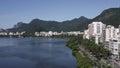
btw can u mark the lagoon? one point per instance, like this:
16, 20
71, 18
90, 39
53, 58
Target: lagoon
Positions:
35, 53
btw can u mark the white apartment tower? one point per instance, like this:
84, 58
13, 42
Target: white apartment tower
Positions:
96, 30
111, 33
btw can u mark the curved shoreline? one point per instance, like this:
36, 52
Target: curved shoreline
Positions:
82, 61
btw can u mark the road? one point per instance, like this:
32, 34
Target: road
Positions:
112, 62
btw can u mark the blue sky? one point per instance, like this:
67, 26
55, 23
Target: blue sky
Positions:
13, 11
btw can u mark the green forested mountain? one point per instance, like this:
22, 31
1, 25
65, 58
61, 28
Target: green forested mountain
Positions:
109, 16
77, 24
41, 25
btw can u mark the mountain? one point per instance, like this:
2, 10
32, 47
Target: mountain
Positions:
3, 30
77, 24
20, 26
41, 25
109, 16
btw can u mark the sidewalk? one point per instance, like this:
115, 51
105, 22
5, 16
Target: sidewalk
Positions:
81, 54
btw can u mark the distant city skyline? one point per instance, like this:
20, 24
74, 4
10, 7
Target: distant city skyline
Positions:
13, 11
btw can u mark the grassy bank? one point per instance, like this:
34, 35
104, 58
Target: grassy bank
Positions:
82, 61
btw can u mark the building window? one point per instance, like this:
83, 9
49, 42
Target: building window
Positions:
98, 28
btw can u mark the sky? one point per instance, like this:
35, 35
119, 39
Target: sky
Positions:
14, 11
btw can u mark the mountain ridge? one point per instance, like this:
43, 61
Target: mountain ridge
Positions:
109, 16
37, 24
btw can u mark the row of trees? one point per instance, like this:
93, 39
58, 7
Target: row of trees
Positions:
95, 49
99, 52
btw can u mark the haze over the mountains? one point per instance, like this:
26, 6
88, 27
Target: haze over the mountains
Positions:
109, 16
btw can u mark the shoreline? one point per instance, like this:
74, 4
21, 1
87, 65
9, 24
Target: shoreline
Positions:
82, 61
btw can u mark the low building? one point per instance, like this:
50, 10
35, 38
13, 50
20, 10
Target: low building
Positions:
51, 33
86, 34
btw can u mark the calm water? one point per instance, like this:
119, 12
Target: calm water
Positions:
35, 53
